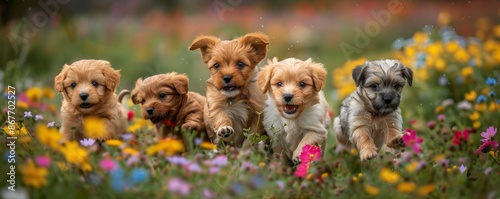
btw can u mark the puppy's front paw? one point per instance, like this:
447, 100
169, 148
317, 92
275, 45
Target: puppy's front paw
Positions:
225, 132
368, 153
396, 142
296, 154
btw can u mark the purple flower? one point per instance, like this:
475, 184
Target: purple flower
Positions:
447, 102
193, 167
464, 105
238, 189
132, 159
208, 194
339, 148
281, 185
178, 160
178, 186
247, 165
220, 161
127, 136
462, 168
27, 114
214, 170
39, 117
197, 141
51, 124
490, 132
487, 171
87, 142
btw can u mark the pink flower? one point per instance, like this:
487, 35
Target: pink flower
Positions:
130, 115
107, 164
178, 186
411, 140
310, 153
302, 170
460, 137
487, 146
490, 132
441, 117
43, 161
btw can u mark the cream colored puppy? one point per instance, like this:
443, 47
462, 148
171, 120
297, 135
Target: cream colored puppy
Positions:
296, 112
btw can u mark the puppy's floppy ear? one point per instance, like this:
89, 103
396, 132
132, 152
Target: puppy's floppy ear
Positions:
258, 41
59, 79
181, 83
204, 43
112, 76
265, 74
135, 92
358, 74
318, 74
407, 74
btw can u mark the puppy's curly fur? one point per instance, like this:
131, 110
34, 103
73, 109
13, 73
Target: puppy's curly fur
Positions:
165, 99
296, 112
370, 117
233, 98
88, 88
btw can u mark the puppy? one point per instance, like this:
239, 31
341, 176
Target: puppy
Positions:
88, 88
166, 101
370, 116
296, 112
233, 97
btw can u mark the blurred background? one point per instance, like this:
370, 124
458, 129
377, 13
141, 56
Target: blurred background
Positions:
147, 37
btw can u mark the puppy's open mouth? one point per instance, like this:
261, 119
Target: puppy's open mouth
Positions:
85, 105
161, 118
229, 88
290, 109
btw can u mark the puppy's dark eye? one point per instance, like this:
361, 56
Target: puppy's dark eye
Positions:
162, 95
279, 84
73, 85
216, 65
397, 86
374, 87
143, 101
95, 84
240, 65
302, 84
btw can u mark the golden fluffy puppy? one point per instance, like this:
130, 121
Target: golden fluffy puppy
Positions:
88, 88
370, 116
296, 112
166, 100
233, 97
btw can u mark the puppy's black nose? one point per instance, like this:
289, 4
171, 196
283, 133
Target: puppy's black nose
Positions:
227, 78
387, 99
84, 96
287, 97
150, 110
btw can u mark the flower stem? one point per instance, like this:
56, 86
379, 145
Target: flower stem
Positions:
496, 161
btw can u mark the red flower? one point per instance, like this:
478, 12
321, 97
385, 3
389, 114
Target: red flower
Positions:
411, 140
310, 153
460, 137
130, 115
487, 146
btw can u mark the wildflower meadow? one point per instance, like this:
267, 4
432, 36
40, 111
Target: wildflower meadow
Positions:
450, 116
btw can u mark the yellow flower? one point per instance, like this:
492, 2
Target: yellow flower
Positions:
493, 107
324, 175
476, 124
435, 49
480, 107
439, 109
474, 49
420, 37
354, 151
412, 166
16, 132
439, 157
440, 64
354, 179
170, 146
444, 18
208, 145
94, 127
424, 190
422, 74
48, 93
138, 124
114, 142
453, 46
360, 175
130, 151
389, 176
471, 96
22, 105
406, 187
77, 155
474, 116
262, 164
48, 136
342, 80
466, 72
372, 190
309, 176
34, 94
34, 176
62, 166
491, 45
25, 139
